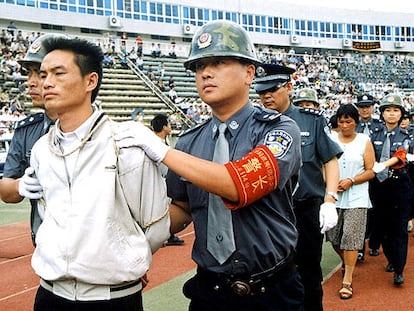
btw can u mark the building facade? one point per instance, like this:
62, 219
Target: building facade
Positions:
269, 23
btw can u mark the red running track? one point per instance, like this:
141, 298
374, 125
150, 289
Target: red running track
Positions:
373, 287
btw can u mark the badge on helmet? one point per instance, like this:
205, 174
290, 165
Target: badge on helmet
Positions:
391, 100
307, 95
221, 38
36, 51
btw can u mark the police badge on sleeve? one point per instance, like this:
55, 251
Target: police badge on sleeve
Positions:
279, 142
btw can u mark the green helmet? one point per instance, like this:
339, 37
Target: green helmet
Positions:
221, 38
36, 51
306, 95
392, 100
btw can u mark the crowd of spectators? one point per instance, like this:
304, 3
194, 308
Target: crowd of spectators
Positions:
337, 76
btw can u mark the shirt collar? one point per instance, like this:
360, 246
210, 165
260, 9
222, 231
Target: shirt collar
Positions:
235, 121
82, 130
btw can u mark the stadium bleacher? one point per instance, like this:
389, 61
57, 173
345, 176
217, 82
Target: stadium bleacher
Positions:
126, 89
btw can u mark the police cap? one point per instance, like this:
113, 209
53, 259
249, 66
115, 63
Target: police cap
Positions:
365, 100
406, 114
269, 76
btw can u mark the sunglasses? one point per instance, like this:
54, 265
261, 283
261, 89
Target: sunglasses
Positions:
273, 89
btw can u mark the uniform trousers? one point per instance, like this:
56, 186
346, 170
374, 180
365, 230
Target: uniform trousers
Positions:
47, 301
309, 251
392, 201
283, 295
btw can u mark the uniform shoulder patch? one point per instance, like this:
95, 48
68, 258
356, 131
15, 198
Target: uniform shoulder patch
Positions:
279, 142
266, 115
192, 129
29, 120
314, 112
404, 131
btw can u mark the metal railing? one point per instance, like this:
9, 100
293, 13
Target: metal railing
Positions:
156, 91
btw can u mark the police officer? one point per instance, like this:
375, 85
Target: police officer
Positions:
255, 270
367, 124
314, 200
406, 124
391, 191
26, 133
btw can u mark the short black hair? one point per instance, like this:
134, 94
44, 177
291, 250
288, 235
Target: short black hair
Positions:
333, 121
348, 110
88, 56
158, 122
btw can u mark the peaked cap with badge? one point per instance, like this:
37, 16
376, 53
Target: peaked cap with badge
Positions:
221, 38
270, 75
365, 100
306, 94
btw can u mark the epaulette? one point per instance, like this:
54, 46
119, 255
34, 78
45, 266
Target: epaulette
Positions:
266, 115
29, 120
404, 131
191, 129
315, 112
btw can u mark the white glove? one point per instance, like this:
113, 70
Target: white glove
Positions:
328, 217
410, 157
29, 185
135, 134
378, 167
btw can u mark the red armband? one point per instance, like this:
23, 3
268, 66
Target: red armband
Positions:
255, 175
400, 154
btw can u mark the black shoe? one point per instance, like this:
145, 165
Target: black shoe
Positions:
390, 268
173, 240
374, 252
361, 257
398, 279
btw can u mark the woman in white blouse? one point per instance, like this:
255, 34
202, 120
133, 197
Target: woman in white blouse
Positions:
355, 166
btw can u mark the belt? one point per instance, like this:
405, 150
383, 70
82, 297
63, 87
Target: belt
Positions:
76, 290
243, 285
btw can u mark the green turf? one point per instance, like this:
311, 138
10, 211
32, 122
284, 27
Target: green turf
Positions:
12, 213
168, 296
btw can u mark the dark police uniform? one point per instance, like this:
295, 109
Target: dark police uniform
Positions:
373, 126
392, 202
317, 148
26, 133
367, 127
264, 231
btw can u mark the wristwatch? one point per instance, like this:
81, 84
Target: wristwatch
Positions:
333, 194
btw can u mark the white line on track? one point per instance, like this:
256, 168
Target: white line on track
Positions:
19, 293
15, 259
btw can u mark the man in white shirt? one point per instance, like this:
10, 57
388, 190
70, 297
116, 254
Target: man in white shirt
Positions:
106, 209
